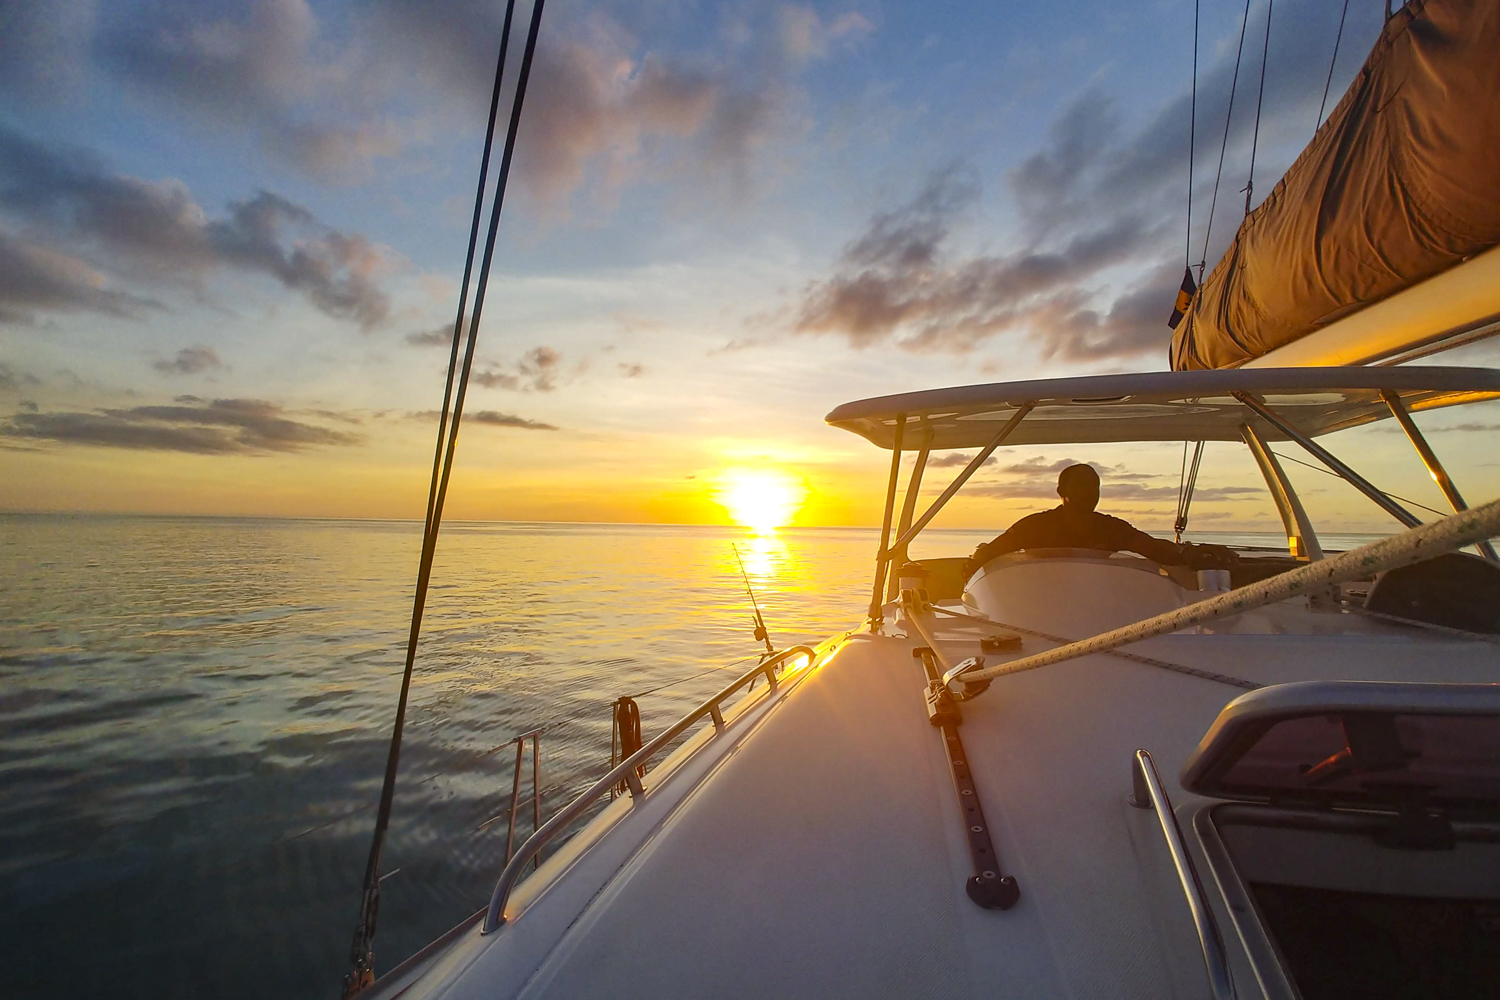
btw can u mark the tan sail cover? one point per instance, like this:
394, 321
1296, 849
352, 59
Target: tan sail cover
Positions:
1401, 183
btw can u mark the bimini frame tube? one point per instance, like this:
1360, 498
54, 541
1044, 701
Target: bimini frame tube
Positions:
908, 507
1430, 459
1322, 454
881, 557
963, 477
1301, 540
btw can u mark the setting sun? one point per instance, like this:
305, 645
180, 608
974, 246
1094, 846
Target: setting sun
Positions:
759, 500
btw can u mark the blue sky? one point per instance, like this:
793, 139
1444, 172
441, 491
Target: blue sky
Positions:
228, 226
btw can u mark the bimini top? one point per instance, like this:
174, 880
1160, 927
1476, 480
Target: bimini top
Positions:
1160, 406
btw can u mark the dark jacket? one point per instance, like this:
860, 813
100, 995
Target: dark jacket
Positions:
1060, 528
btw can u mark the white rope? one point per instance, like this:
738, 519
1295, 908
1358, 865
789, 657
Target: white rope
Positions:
1411, 546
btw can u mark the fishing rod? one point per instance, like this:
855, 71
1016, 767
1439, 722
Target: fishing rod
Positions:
761, 635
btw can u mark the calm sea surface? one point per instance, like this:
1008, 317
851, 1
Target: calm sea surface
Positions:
194, 714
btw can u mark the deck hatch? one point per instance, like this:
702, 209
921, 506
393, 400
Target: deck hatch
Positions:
1356, 744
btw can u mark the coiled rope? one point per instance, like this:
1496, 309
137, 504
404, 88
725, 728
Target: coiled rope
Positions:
362, 959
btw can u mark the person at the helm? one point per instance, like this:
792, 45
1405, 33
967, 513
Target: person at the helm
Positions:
1077, 525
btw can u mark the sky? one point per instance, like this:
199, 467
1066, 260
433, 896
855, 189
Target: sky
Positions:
232, 234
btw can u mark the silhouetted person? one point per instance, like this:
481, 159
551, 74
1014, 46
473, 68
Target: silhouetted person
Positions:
1076, 525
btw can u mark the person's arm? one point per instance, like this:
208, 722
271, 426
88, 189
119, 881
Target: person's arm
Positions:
1158, 550
1006, 542
1165, 553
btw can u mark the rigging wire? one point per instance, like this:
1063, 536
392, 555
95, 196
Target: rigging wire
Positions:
1186, 485
1329, 83
1224, 143
1259, 99
1187, 253
1326, 472
361, 972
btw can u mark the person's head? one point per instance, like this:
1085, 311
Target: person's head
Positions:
1078, 485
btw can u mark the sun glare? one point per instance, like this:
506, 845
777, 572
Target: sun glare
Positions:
761, 501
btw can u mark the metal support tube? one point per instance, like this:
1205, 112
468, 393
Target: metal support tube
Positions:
1430, 459
885, 527
1215, 962
1322, 454
515, 798
1301, 540
963, 477
908, 507
536, 792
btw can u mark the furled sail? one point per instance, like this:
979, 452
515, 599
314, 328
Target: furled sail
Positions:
1400, 184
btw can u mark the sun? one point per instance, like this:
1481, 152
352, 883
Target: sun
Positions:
758, 499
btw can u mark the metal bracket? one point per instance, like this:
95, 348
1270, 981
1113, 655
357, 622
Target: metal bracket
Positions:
987, 887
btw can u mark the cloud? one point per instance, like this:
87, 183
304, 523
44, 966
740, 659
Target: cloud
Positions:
955, 458
43, 47
441, 336
1099, 204
35, 279
537, 371
492, 418
259, 65
593, 109
1035, 478
897, 283
1111, 492
805, 36
220, 427
605, 109
190, 361
155, 230
632, 370
12, 380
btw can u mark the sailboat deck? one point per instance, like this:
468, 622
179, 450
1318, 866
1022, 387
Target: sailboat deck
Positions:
821, 854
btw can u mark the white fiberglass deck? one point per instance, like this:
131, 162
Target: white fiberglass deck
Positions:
815, 849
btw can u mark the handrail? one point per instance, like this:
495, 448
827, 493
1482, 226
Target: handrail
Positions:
626, 771
1147, 781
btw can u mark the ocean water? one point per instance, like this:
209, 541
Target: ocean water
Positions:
194, 715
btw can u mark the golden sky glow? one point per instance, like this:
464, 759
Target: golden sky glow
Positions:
681, 290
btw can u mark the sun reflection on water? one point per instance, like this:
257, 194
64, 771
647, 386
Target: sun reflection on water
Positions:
764, 555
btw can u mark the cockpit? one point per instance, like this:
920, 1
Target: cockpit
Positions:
1258, 407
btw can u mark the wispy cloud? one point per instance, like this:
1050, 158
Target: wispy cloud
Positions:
441, 336
491, 418
190, 361
12, 380
219, 427
537, 371
36, 280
